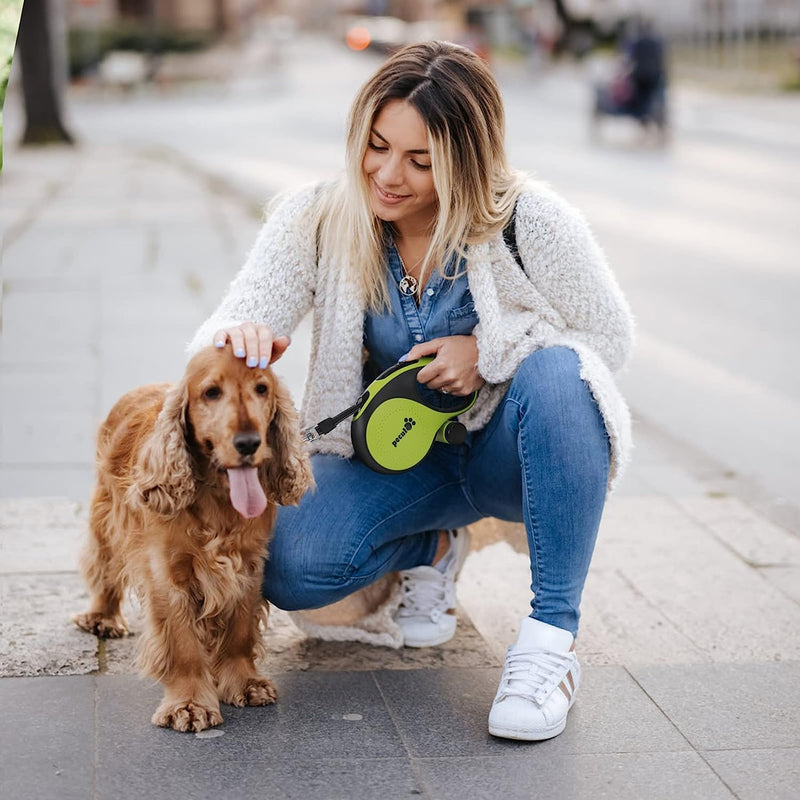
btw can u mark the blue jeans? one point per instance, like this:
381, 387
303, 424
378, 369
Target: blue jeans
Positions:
543, 459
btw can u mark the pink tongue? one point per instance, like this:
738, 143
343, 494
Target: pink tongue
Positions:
247, 496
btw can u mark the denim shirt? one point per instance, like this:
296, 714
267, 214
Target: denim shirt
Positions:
445, 308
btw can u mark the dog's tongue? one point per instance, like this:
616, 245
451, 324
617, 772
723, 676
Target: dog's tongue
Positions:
247, 496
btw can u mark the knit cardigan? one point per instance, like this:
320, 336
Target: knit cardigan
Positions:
566, 295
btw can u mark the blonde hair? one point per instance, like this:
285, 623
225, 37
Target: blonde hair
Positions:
459, 101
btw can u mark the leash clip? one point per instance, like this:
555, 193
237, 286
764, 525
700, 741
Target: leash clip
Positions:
310, 434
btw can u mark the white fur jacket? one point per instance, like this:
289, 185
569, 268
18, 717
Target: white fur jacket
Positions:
567, 295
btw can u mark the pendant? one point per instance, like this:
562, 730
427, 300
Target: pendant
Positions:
408, 285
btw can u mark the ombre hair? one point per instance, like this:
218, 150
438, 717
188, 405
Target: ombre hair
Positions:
459, 101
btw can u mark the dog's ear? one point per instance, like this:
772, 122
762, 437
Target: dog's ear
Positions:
287, 474
163, 481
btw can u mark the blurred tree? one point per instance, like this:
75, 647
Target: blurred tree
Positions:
43, 123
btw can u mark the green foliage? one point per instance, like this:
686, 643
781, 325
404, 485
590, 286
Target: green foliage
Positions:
10, 11
87, 47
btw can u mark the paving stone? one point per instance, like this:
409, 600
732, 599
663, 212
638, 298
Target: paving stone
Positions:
725, 706
47, 738
37, 636
32, 550
38, 324
317, 716
448, 715
71, 480
704, 590
758, 774
533, 771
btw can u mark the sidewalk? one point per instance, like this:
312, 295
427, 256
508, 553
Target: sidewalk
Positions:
111, 257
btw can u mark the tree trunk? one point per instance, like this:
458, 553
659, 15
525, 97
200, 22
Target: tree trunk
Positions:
43, 123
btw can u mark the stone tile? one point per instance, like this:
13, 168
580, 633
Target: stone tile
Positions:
524, 774
756, 774
73, 480
47, 738
755, 540
448, 715
37, 636
317, 716
42, 512
784, 578
46, 326
249, 776
53, 437
703, 589
726, 706
33, 550
620, 625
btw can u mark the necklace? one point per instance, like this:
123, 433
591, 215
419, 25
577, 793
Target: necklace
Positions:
408, 284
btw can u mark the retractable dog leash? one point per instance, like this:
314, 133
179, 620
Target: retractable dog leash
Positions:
393, 427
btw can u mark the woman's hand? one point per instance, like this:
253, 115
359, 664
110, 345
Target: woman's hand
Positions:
256, 343
454, 369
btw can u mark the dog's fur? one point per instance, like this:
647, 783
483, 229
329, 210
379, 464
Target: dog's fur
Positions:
162, 524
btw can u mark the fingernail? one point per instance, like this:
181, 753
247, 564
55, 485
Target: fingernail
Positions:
239, 352
219, 344
252, 361
403, 358
264, 363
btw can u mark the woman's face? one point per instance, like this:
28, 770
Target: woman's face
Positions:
397, 166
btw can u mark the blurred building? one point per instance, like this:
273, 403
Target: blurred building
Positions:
209, 16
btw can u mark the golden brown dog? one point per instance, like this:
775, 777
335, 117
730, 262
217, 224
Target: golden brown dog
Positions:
188, 481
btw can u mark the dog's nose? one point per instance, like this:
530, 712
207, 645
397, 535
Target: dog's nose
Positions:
246, 443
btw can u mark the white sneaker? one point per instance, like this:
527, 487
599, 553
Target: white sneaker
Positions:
427, 614
539, 684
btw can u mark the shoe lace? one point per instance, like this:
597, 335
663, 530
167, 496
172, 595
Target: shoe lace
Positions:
533, 673
430, 597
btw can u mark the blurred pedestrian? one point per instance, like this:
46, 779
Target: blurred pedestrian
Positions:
430, 245
646, 56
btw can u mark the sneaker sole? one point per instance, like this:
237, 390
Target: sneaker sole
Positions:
445, 637
528, 735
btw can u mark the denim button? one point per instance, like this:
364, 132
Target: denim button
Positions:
430, 292
417, 337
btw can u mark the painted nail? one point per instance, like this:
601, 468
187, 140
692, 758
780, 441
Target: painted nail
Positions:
264, 363
403, 358
252, 361
239, 352
219, 344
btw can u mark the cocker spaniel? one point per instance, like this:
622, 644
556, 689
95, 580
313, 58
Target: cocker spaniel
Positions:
187, 485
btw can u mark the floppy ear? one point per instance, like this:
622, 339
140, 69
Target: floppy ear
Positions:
163, 481
287, 474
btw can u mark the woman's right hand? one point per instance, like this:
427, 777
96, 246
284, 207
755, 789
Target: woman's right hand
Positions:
256, 343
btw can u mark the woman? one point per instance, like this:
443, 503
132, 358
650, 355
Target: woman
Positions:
408, 255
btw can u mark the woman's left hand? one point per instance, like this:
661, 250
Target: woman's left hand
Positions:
454, 369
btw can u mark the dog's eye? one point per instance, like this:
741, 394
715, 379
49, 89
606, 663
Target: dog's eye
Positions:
212, 393
261, 388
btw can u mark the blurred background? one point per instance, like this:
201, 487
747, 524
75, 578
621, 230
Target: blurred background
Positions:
143, 137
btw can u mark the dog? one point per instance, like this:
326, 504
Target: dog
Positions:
188, 480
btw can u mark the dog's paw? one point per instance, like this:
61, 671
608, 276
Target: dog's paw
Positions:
186, 716
255, 691
104, 627
260, 692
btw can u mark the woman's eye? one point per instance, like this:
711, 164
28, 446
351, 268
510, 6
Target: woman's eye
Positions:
423, 167
377, 148
212, 393
261, 388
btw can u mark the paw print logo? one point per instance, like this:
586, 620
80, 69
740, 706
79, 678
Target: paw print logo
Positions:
408, 423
